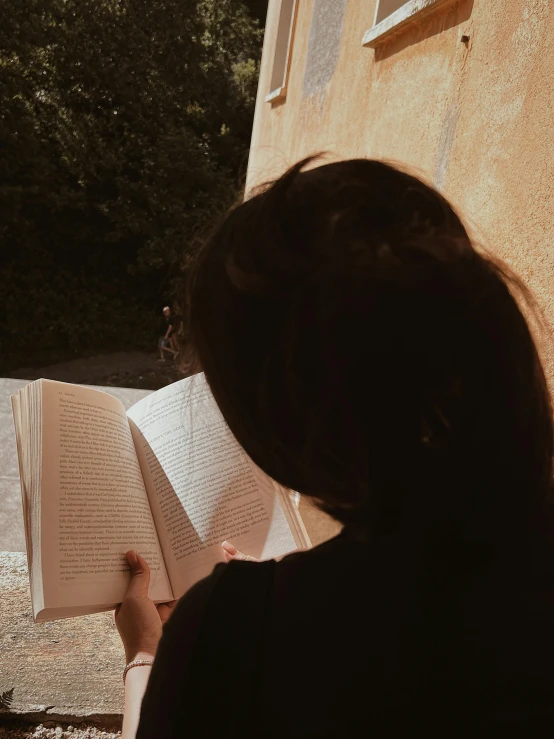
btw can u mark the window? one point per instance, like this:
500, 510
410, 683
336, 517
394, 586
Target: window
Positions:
283, 45
385, 8
392, 15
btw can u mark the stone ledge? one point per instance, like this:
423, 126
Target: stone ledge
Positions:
62, 670
409, 12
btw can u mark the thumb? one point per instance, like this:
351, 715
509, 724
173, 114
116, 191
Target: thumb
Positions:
140, 575
231, 552
230, 549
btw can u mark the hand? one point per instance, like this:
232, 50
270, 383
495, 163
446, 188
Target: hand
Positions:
230, 552
138, 620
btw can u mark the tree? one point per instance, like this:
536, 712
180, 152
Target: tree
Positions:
123, 128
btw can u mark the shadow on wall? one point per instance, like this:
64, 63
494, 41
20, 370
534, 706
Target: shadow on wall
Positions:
433, 24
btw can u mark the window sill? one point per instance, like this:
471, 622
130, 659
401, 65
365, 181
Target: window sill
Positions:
411, 11
279, 94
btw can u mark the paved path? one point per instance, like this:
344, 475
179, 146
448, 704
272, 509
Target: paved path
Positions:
91, 370
61, 670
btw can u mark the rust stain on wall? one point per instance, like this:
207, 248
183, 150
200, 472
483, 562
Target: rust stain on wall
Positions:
445, 145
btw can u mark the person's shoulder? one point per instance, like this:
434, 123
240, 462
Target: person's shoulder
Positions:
193, 604
339, 547
332, 566
240, 581
243, 581
228, 581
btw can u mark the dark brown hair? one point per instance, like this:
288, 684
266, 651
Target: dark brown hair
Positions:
365, 354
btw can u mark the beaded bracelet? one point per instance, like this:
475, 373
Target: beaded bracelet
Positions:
136, 663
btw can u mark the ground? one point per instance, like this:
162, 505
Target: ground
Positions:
119, 369
52, 730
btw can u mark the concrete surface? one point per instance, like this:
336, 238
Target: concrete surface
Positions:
475, 116
63, 669
11, 522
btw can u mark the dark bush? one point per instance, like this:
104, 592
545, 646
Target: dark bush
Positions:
124, 128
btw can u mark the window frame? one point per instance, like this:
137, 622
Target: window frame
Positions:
410, 11
279, 92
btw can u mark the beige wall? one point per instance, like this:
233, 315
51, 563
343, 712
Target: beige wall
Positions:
477, 119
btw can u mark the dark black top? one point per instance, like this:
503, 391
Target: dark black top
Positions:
354, 638
176, 322
165, 323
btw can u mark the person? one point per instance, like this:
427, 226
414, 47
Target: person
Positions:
177, 332
365, 354
168, 329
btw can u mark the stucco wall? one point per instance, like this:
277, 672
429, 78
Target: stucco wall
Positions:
475, 118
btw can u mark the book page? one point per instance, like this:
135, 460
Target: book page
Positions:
94, 503
28, 449
203, 487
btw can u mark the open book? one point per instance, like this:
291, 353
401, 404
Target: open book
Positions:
166, 478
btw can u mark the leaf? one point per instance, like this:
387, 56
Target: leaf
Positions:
6, 699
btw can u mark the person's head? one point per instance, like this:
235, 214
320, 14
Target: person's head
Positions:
365, 354
167, 311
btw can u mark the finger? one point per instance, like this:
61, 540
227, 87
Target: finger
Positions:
165, 610
140, 574
245, 557
170, 604
231, 552
229, 548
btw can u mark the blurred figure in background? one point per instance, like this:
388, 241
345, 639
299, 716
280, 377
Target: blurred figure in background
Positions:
165, 343
177, 331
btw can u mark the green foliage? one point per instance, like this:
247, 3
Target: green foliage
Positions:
124, 127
